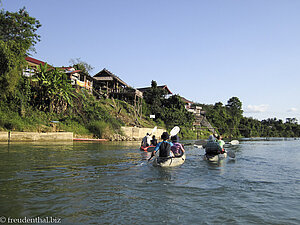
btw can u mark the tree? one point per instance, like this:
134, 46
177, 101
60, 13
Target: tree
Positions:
234, 108
292, 120
19, 27
17, 37
11, 61
175, 114
78, 64
154, 97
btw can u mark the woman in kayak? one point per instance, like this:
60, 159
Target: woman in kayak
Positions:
164, 147
221, 143
177, 148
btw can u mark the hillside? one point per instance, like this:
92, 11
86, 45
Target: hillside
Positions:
92, 119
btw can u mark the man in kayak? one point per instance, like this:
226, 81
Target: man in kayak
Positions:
164, 147
146, 140
212, 147
177, 148
153, 141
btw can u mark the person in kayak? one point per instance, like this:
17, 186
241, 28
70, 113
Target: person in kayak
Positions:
153, 141
212, 147
221, 143
177, 148
164, 147
146, 140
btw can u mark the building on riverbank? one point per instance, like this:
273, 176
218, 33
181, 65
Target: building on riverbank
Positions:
163, 87
109, 85
79, 79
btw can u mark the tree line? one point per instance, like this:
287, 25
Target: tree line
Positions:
229, 121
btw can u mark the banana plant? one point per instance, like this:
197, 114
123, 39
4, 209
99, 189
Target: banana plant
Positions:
53, 90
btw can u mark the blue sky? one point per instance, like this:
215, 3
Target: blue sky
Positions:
206, 51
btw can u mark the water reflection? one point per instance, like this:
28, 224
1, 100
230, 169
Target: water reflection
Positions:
146, 155
164, 174
113, 183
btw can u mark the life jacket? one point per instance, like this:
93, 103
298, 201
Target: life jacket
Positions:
154, 142
176, 149
213, 148
164, 149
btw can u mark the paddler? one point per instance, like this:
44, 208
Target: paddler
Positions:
177, 148
212, 147
164, 146
153, 141
221, 143
146, 140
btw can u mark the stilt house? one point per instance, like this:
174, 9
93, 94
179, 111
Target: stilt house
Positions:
109, 85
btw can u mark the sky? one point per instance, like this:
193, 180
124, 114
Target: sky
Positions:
204, 50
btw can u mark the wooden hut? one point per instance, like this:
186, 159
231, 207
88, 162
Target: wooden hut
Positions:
111, 86
164, 87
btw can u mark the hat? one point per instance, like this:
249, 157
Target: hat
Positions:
175, 138
211, 138
165, 136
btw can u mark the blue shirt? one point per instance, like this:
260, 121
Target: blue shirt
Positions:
157, 146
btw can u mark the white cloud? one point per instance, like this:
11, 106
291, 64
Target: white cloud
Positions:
256, 108
292, 110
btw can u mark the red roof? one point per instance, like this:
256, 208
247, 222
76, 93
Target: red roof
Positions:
33, 60
185, 100
166, 88
75, 71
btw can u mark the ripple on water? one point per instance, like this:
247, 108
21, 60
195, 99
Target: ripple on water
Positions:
88, 184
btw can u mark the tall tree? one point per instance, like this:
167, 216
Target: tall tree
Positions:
17, 38
19, 27
234, 108
154, 97
11, 61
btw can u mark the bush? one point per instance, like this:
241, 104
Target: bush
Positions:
188, 134
100, 129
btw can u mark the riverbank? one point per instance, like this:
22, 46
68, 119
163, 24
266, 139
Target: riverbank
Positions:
128, 134
13, 136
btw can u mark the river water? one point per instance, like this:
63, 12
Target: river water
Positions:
112, 183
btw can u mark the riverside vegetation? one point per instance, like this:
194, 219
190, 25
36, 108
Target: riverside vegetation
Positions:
33, 103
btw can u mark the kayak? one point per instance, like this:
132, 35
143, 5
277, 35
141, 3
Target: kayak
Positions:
215, 158
169, 161
148, 148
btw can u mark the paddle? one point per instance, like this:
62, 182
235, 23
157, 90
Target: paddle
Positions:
173, 132
231, 154
154, 129
203, 142
200, 143
234, 142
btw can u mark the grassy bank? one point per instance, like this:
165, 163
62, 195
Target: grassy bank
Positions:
87, 118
